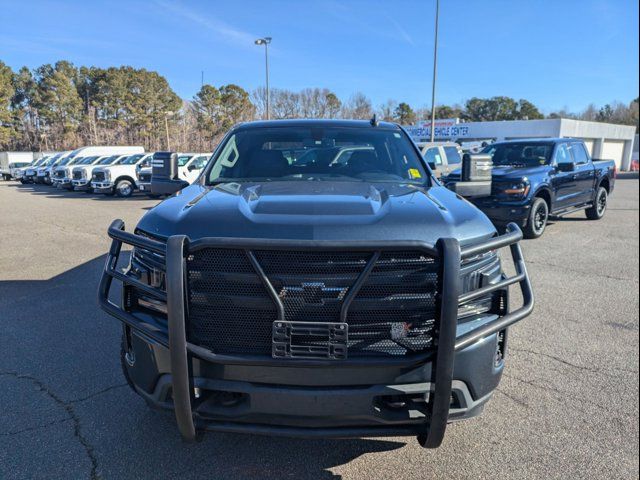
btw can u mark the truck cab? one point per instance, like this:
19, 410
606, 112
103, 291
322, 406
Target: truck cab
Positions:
535, 179
30, 172
119, 178
442, 157
283, 296
81, 175
61, 174
44, 172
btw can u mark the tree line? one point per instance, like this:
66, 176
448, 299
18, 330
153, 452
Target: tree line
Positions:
61, 106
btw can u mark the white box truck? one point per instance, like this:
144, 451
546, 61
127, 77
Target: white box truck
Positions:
9, 161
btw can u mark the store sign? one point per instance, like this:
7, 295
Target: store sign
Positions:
444, 128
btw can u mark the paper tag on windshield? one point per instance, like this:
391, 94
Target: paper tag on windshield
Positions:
414, 173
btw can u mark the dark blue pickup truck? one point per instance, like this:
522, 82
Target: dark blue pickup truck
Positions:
535, 179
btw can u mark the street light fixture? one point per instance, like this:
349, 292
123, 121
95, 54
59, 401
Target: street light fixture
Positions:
265, 41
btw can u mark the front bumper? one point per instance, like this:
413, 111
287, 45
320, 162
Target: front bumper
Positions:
503, 213
416, 395
81, 185
65, 183
100, 187
144, 186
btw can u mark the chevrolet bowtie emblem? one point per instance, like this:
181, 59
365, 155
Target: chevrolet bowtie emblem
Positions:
313, 293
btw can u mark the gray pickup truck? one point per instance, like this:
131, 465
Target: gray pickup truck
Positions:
292, 290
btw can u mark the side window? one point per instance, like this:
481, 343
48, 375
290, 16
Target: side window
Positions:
433, 156
199, 162
579, 154
453, 155
563, 154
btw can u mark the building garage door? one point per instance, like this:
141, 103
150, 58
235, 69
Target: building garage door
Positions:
613, 150
589, 144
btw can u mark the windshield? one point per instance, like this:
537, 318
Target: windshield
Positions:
318, 153
520, 154
51, 160
75, 161
87, 160
183, 159
108, 160
131, 160
64, 161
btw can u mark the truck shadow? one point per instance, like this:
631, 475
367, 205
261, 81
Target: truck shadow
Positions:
54, 332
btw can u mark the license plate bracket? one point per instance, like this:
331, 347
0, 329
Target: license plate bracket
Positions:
310, 340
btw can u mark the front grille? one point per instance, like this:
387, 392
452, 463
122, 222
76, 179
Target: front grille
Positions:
59, 174
98, 177
77, 175
231, 312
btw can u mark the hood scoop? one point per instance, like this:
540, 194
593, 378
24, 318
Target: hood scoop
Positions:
333, 200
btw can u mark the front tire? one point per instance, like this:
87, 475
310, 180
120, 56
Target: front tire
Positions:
600, 206
538, 218
124, 188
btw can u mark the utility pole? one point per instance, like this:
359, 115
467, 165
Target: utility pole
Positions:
435, 69
266, 41
166, 128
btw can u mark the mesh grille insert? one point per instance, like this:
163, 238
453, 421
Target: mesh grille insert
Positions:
230, 310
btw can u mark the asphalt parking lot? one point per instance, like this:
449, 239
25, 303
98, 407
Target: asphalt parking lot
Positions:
567, 406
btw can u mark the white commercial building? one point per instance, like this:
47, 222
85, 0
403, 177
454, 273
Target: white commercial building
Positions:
604, 140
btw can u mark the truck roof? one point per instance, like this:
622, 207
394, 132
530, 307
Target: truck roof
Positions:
326, 123
541, 140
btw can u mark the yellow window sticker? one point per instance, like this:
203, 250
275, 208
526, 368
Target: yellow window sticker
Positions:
414, 173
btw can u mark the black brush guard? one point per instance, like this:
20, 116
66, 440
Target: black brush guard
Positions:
447, 251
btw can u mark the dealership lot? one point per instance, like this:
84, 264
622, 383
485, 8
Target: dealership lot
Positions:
567, 406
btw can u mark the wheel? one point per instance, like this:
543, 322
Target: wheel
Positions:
24, 182
124, 188
6, 177
600, 206
537, 221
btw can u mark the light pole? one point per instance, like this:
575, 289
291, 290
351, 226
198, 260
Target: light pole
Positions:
265, 41
435, 69
166, 127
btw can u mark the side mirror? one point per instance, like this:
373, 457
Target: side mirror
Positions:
566, 167
191, 168
432, 165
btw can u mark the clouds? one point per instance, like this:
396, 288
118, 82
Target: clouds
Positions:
218, 28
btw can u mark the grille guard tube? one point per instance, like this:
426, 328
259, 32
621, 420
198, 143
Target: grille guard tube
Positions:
447, 250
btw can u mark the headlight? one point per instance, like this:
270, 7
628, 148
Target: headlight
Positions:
518, 188
476, 272
147, 267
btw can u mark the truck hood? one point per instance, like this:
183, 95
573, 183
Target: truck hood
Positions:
318, 211
116, 169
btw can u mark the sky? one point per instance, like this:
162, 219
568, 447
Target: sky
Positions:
557, 54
